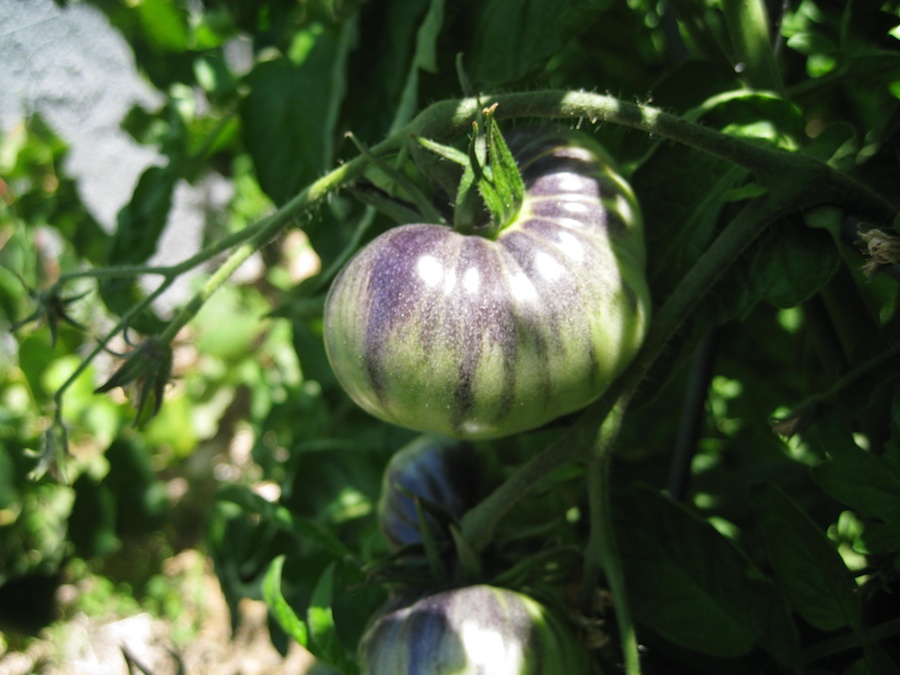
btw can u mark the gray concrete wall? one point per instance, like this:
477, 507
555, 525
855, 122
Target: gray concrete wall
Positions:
78, 72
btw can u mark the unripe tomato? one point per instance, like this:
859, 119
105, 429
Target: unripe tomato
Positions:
471, 631
442, 471
472, 337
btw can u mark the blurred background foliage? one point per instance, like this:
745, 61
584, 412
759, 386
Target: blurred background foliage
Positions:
257, 453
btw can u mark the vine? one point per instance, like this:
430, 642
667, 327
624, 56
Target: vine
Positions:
791, 183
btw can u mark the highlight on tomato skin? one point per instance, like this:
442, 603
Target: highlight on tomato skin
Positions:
479, 338
469, 630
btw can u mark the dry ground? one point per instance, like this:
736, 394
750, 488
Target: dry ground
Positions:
200, 636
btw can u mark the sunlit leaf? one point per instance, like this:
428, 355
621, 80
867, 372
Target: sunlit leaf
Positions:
855, 477
284, 614
326, 643
807, 566
290, 113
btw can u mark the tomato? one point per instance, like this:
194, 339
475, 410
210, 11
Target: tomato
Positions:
471, 630
473, 337
443, 472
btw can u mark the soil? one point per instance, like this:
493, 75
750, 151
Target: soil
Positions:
199, 641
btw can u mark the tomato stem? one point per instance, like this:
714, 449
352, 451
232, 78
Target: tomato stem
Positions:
775, 168
796, 181
478, 523
601, 554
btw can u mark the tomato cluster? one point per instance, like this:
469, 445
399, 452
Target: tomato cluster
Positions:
471, 335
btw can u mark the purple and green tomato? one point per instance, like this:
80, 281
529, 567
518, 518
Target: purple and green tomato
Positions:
468, 631
476, 338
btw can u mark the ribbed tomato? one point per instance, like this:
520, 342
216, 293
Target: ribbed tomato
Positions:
473, 337
442, 471
471, 631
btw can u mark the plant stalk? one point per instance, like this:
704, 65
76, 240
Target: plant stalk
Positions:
268, 229
601, 554
821, 183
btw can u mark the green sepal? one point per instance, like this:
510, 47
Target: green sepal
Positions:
491, 190
54, 451
447, 152
411, 190
432, 552
148, 368
52, 309
395, 209
469, 215
506, 187
469, 562
279, 607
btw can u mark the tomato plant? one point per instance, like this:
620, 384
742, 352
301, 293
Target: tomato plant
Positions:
678, 376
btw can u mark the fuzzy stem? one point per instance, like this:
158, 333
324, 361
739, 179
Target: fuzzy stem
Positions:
267, 229
601, 554
771, 165
478, 523
448, 117
813, 183
209, 252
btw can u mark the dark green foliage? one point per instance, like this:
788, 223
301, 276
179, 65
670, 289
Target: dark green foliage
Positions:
783, 552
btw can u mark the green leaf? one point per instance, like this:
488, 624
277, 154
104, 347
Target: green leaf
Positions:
141, 222
164, 25
693, 586
880, 538
836, 144
290, 115
140, 225
682, 194
808, 568
9, 493
425, 58
325, 643
753, 114
785, 268
512, 37
279, 516
284, 614
862, 481
748, 25
875, 65
876, 661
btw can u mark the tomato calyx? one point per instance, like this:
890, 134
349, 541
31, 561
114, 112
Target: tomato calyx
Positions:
491, 190
147, 369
